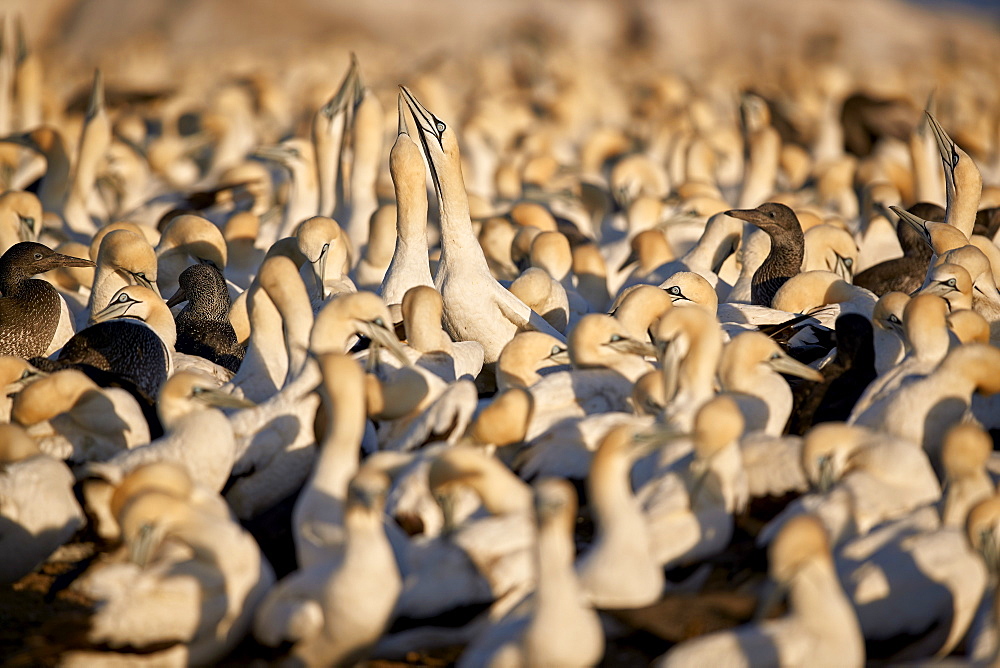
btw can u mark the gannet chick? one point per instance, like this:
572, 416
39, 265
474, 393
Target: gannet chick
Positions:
358, 599
30, 309
526, 356
689, 509
787, 248
619, 570
559, 629
863, 479
946, 391
70, 417
638, 307
830, 248
476, 307
821, 627
967, 449
203, 326
325, 246
188, 592
39, 510
409, 266
749, 370
187, 240
132, 338
422, 308
124, 258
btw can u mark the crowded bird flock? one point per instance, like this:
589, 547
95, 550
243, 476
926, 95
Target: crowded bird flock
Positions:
514, 363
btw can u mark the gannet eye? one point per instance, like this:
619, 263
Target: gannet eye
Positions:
141, 274
25, 374
848, 262
615, 337
122, 298
38, 256
954, 158
379, 322
775, 356
950, 282
326, 247
893, 319
771, 214
555, 350
440, 126
674, 290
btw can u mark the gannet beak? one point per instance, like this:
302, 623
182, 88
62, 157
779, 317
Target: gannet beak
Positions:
919, 224
60, 260
783, 363
631, 346
769, 600
385, 337
844, 268
319, 270
116, 309
27, 227
946, 146
447, 506
220, 399
146, 283
826, 475
632, 257
401, 119
338, 103
670, 362
940, 289
142, 548
96, 102
179, 296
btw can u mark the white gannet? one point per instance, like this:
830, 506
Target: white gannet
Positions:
38, 509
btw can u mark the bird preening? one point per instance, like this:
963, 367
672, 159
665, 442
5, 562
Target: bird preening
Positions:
595, 340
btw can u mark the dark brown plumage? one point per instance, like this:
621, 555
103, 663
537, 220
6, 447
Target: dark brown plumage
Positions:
903, 274
203, 326
29, 308
787, 248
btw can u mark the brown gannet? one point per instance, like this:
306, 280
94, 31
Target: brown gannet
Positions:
131, 339
30, 309
476, 307
203, 326
903, 274
787, 248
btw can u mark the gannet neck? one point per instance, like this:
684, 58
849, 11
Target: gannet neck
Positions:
344, 404
925, 327
279, 277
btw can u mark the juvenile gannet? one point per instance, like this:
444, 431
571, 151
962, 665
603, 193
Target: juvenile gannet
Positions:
903, 274
821, 627
476, 307
38, 509
749, 371
70, 417
559, 628
30, 309
132, 339
787, 248
203, 326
